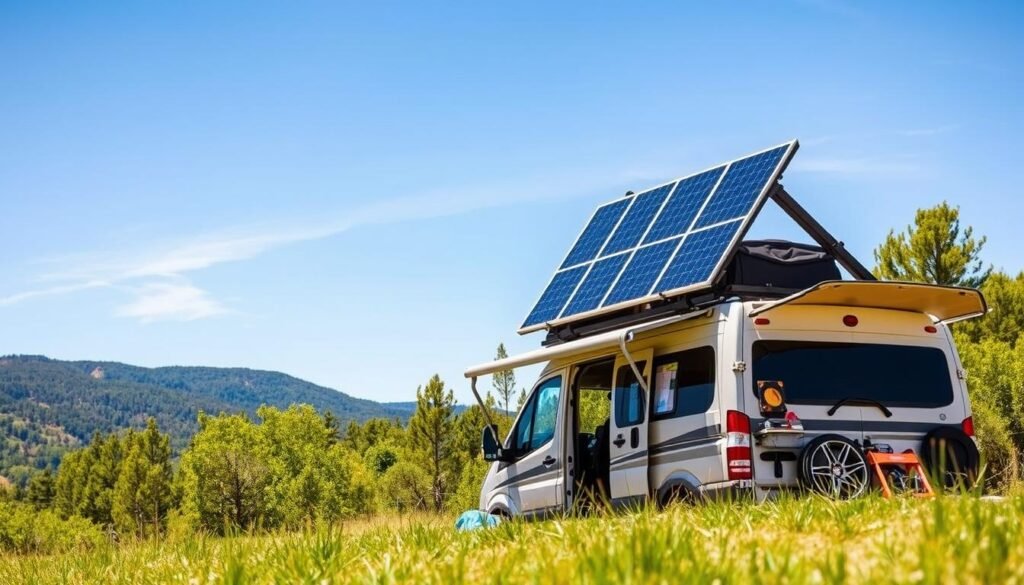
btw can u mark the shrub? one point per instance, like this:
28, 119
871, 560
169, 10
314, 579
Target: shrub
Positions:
23, 529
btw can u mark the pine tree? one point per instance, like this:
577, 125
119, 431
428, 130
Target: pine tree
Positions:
504, 381
142, 494
41, 490
70, 483
86, 478
333, 428
934, 250
431, 437
106, 466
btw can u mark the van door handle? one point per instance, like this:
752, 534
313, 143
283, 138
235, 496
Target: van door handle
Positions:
549, 461
619, 441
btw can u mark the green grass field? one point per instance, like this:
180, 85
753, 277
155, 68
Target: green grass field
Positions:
946, 540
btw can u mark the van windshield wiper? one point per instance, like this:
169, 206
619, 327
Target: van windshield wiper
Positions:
860, 402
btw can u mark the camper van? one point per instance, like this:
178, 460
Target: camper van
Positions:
746, 399
684, 363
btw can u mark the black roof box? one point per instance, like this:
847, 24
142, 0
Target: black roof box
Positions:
778, 267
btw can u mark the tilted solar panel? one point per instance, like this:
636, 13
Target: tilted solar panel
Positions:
665, 241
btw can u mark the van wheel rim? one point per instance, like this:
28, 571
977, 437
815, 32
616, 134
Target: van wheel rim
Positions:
838, 470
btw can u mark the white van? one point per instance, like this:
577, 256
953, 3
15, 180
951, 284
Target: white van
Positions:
744, 397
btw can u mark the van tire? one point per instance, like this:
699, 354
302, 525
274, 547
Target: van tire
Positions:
834, 466
677, 494
950, 456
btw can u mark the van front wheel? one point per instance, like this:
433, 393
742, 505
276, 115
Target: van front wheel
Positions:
834, 466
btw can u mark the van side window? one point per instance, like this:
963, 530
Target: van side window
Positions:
629, 397
536, 425
684, 383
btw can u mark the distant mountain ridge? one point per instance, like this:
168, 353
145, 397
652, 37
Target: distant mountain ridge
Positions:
48, 406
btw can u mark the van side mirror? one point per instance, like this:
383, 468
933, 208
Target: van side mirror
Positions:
491, 447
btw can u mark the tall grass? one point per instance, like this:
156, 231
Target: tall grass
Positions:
962, 539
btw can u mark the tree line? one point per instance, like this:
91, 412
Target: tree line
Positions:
284, 469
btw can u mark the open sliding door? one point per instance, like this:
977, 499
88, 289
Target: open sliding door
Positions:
628, 445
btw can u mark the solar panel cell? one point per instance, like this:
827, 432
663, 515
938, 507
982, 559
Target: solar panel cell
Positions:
596, 232
697, 257
642, 271
555, 296
740, 187
677, 215
595, 286
637, 220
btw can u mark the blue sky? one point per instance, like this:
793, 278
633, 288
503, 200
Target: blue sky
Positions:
365, 194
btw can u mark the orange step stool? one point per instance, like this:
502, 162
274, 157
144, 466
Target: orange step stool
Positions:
908, 461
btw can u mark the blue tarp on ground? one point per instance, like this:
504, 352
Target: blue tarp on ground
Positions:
475, 519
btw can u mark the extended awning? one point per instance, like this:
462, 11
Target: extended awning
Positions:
945, 304
587, 344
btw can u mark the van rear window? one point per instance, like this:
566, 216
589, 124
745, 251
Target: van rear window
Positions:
824, 373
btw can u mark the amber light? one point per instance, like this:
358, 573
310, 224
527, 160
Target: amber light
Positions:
850, 321
762, 321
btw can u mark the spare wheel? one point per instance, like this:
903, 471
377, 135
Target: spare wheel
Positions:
951, 456
834, 466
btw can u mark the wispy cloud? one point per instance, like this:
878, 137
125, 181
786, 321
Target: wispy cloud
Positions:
171, 301
157, 275
52, 291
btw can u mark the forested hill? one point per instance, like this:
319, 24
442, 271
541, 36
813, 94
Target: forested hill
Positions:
48, 406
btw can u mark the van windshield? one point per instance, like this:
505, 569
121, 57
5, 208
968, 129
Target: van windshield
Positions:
824, 373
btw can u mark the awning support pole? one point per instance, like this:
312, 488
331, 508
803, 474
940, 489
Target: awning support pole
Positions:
483, 407
624, 338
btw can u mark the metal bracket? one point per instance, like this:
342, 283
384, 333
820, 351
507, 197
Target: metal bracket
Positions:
625, 338
480, 401
819, 233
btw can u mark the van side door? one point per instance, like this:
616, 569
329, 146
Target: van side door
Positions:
535, 475
628, 445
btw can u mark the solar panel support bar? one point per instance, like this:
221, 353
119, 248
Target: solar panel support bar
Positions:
688, 304
814, 229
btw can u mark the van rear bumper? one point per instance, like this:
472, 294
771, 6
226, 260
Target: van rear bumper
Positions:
730, 491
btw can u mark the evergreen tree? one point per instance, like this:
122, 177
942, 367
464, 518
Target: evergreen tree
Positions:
41, 490
333, 428
376, 431
142, 494
86, 478
99, 485
504, 381
934, 250
431, 438
70, 483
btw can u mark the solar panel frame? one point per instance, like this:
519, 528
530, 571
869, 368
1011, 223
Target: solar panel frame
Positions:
745, 222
